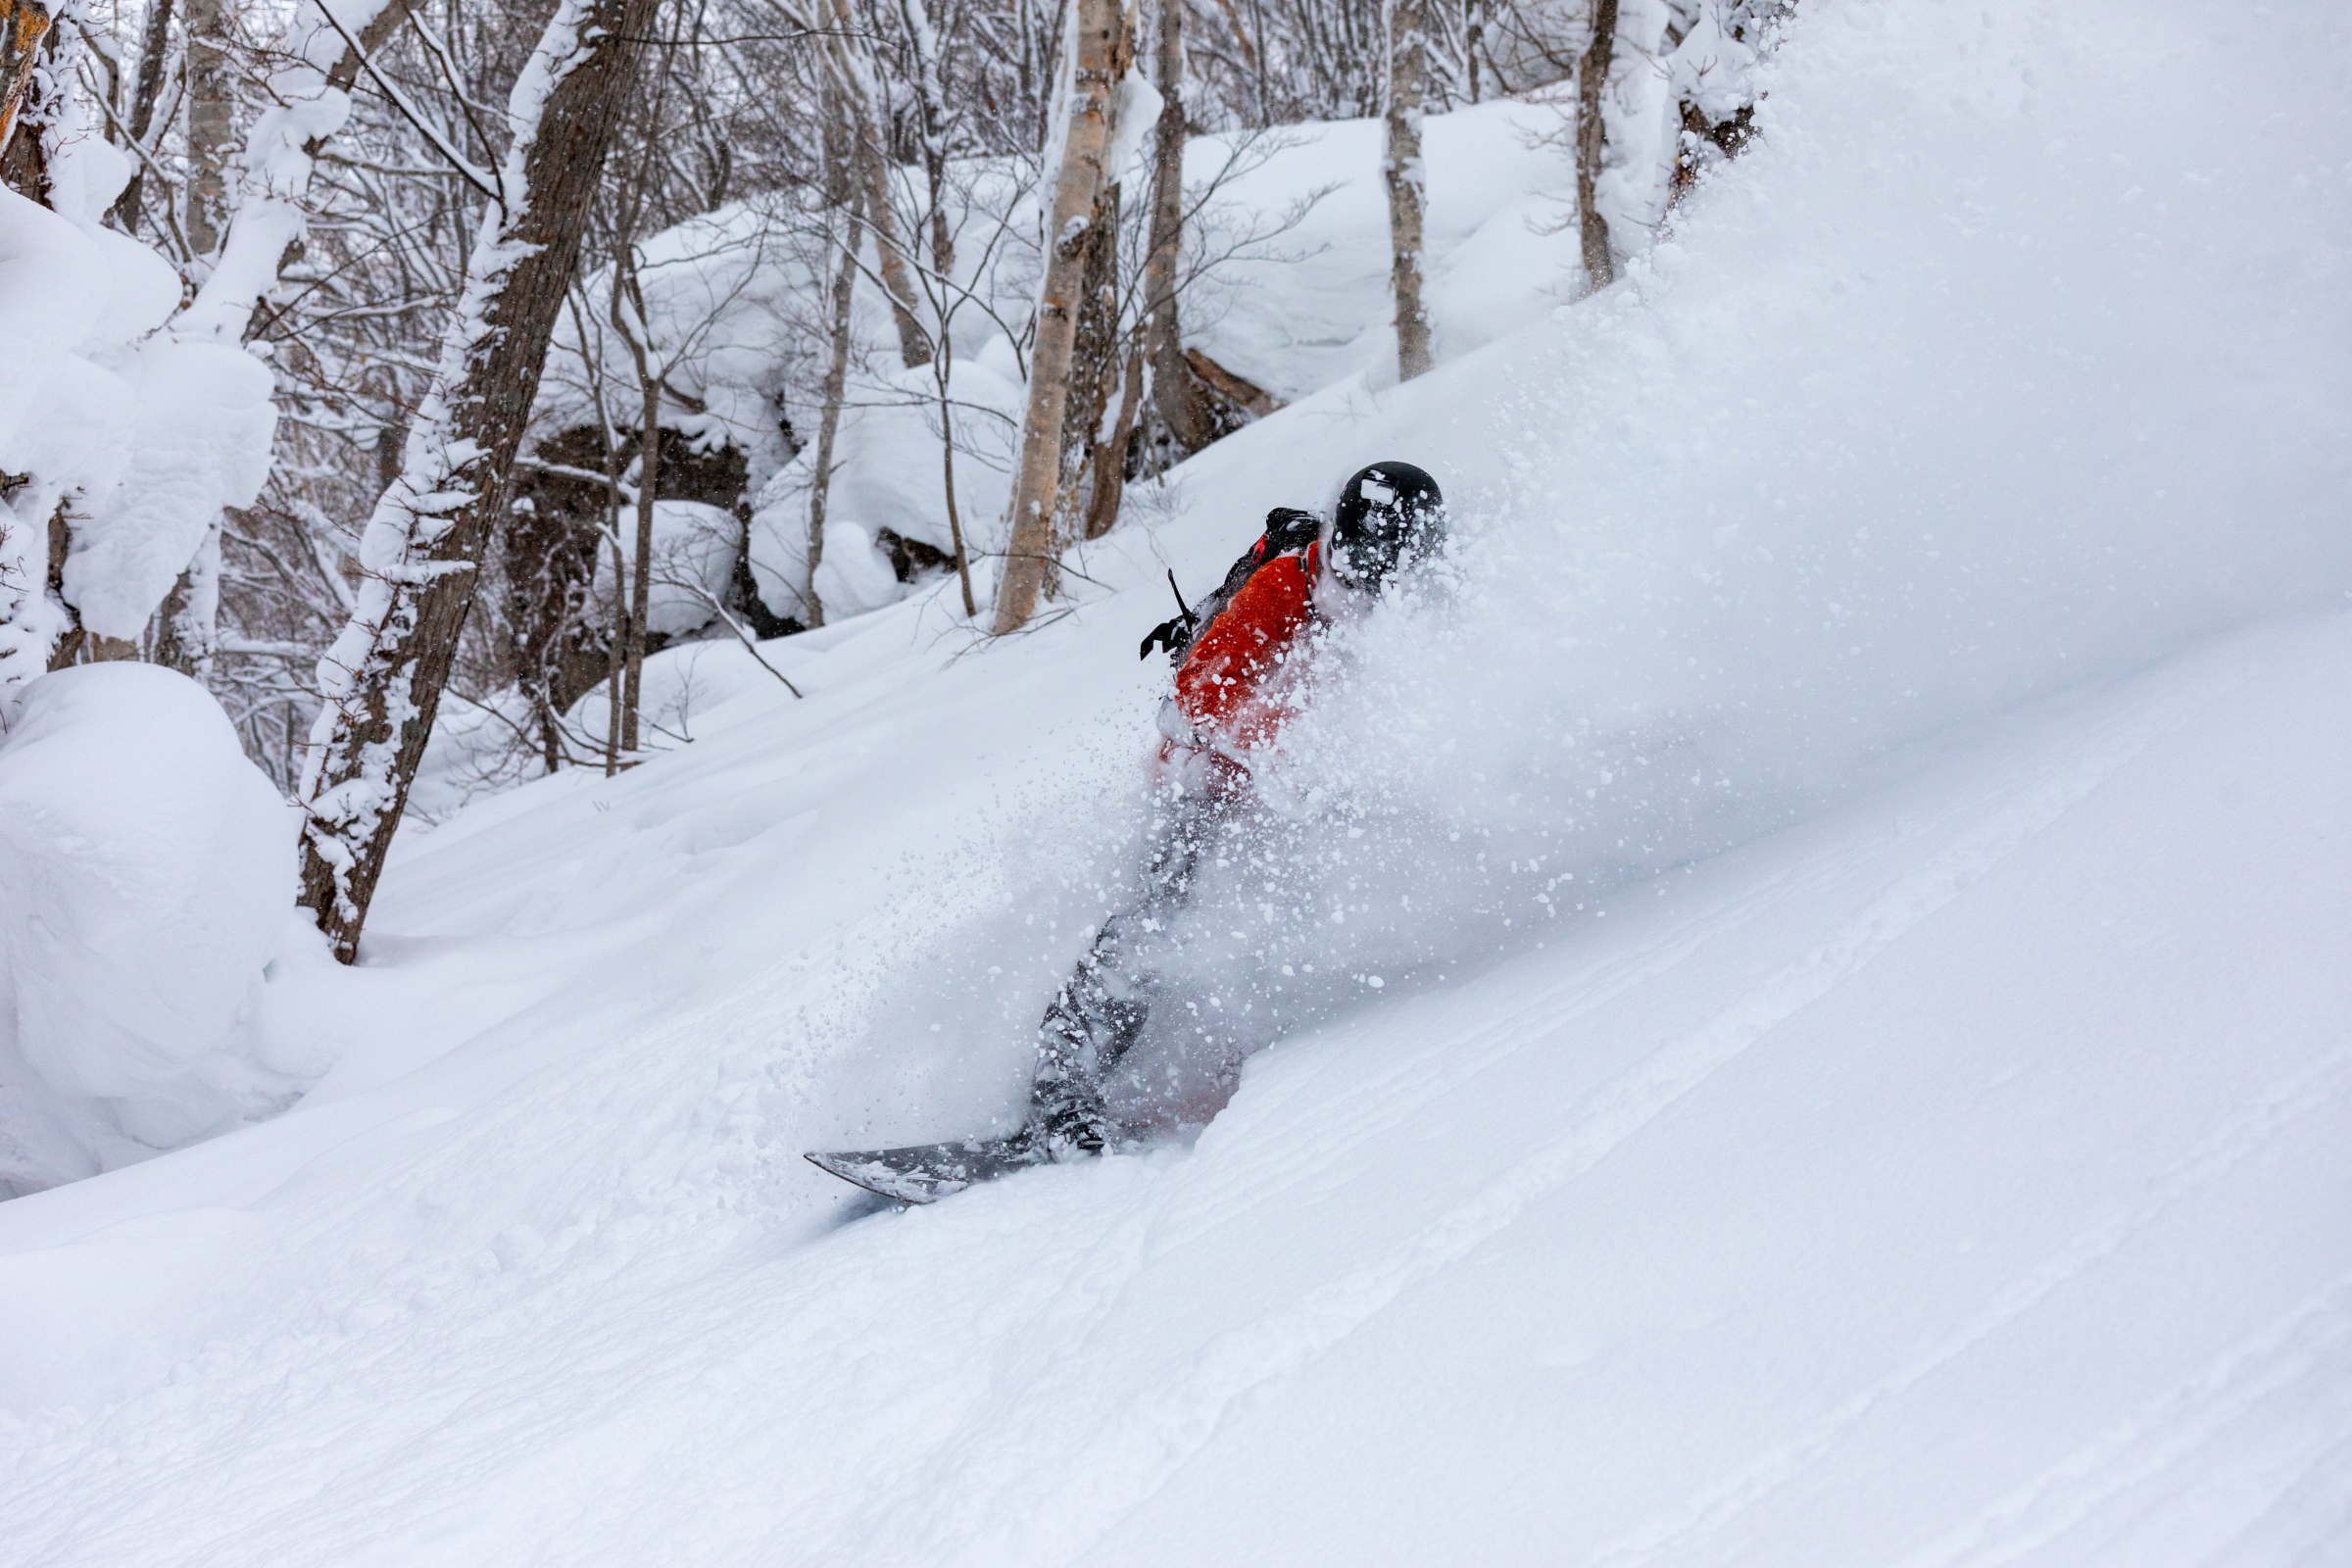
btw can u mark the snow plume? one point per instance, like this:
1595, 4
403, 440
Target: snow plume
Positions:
1968, 384
139, 905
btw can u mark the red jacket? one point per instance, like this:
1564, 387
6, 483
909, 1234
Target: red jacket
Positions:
1222, 706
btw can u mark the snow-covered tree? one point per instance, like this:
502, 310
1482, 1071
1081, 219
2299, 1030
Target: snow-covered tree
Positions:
1406, 179
1098, 62
421, 556
126, 431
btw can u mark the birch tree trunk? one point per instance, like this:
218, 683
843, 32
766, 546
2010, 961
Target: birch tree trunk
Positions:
208, 128
636, 336
930, 98
1592, 137
837, 380
1409, 192
861, 94
1094, 373
1175, 390
147, 89
383, 679
1037, 475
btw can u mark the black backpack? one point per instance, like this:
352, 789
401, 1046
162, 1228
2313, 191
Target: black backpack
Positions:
1288, 530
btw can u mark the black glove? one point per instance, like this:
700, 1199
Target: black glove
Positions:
1175, 634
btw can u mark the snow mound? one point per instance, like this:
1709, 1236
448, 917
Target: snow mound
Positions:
138, 904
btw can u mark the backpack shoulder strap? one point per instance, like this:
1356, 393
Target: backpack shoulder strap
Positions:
1288, 531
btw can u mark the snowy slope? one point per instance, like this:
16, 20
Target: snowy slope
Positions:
1915, 1135
1959, 1178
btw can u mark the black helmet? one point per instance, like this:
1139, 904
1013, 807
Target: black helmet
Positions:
1389, 515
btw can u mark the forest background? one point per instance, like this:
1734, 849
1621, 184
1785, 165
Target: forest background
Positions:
444, 362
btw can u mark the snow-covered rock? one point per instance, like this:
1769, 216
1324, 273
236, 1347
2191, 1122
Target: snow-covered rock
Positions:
888, 475
146, 876
855, 576
694, 553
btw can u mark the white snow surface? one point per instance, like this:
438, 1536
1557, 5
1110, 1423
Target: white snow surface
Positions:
1834, 1044
146, 877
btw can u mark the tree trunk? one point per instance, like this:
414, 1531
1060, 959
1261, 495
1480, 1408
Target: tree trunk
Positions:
1591, 136
1095, 361
270, 218
187, 626
549, 544
31, 617
383, 679
38, 629
837, 380
147, 89
618, 651
1110, 461
640, 588
68, 635
947, 480
1474, 39
930, 98
210, 129
1029, 557
851, 62
266, 232
636, 338
24, 28
1409, 186
376, 30
36, 59
1176, 395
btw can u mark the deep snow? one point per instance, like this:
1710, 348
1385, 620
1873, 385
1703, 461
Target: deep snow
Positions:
1926, 1147
1956, 1178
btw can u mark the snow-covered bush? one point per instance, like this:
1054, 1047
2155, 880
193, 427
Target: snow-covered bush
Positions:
146, 877
142, 435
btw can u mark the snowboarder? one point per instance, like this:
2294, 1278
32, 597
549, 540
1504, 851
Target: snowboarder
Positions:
1303, 572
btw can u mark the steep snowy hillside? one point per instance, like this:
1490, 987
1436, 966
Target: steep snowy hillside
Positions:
1833, 1046
1957, 1179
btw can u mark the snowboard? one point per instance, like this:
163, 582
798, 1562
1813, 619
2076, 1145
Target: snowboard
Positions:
925, 1173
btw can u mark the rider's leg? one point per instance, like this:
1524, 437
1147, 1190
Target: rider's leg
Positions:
1099, 1010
